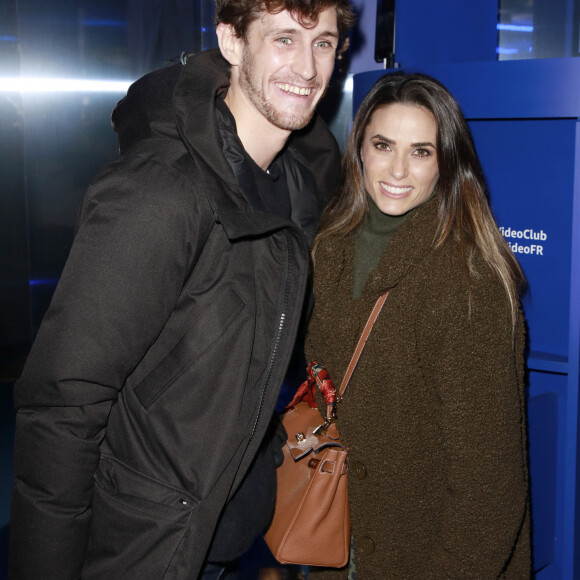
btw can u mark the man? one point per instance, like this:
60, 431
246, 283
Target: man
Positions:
153, 378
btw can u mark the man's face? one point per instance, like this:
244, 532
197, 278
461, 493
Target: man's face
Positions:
286, 68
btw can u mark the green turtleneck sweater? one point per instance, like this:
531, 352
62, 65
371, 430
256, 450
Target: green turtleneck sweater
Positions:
371, 241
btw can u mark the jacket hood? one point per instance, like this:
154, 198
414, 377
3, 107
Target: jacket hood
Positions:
146, 111
179, 103
151, 107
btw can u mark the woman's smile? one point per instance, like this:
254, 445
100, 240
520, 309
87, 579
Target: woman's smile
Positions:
393, 190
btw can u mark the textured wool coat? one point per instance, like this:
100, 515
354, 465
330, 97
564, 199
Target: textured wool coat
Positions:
434, 414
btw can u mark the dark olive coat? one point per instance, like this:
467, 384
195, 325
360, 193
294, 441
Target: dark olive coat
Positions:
435, 412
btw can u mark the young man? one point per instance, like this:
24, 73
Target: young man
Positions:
152, 381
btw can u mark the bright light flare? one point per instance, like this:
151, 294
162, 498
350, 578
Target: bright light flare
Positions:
516, 27
348, 84
52, 85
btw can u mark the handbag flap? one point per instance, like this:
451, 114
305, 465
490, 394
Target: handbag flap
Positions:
300, 423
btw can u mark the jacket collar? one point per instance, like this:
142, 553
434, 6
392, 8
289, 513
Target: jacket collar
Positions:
202, 78
210, 136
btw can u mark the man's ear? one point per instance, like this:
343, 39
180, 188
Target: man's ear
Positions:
230, 43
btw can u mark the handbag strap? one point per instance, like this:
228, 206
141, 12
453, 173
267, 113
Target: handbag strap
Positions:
331, 408
361, 343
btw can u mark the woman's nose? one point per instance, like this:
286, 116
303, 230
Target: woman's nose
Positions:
399, 167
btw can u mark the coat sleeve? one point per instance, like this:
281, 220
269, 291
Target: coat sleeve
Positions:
132, 250
476, 371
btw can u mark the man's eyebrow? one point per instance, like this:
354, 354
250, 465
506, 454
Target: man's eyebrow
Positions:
333, 33
282, 31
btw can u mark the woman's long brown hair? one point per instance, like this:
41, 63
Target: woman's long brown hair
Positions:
464, 211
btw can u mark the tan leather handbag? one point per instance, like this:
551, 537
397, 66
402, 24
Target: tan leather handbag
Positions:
311, 524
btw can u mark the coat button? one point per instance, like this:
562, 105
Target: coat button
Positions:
365, 545
358, 470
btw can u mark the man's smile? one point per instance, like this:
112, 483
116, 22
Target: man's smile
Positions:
302, 91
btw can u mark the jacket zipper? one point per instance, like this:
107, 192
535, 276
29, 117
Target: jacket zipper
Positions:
278, 337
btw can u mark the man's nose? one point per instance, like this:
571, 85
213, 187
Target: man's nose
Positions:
304, 64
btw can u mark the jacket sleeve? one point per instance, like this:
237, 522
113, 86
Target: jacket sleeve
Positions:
132, 250
476, 371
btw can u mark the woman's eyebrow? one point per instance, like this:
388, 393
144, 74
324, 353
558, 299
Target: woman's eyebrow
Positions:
383, 138
419, 144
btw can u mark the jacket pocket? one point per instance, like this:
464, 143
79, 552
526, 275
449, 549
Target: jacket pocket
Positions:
203, 331
137, 524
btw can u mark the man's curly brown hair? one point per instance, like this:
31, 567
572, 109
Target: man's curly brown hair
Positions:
241, 13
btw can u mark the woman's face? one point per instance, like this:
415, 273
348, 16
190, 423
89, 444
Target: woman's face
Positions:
399, 155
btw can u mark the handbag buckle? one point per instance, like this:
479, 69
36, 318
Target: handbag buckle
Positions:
330, 419
321, 429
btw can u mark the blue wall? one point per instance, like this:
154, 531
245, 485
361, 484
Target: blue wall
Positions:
429, 32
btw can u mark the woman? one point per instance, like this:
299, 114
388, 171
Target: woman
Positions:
435, 413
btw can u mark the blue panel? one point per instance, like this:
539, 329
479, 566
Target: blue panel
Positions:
445, 31
543, 412
574, 352
529, 169
547, 436
552, 363
537, 88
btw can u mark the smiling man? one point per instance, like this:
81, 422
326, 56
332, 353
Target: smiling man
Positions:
142, 447
280, 70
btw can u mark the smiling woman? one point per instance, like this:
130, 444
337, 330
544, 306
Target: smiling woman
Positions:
435, 416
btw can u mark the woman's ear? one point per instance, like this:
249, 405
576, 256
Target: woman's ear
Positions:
230, 43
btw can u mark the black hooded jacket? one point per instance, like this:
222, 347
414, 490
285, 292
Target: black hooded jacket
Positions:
154, 375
